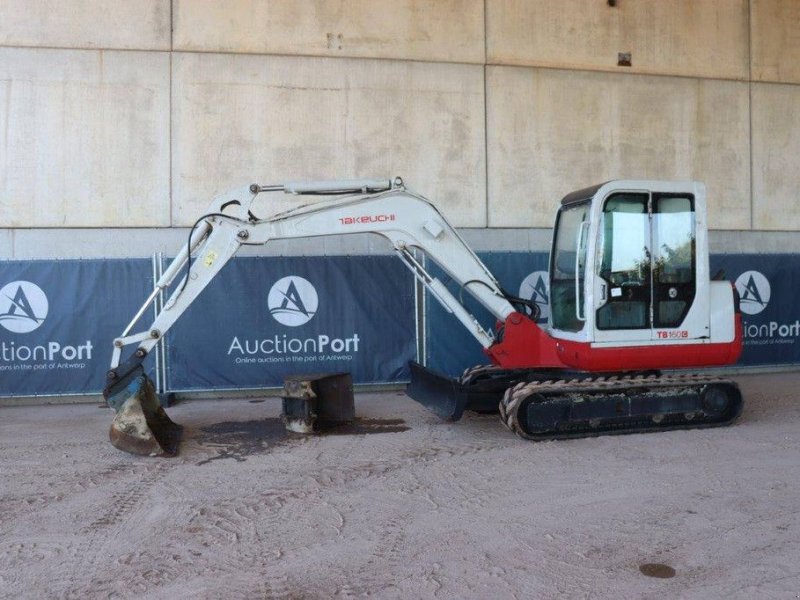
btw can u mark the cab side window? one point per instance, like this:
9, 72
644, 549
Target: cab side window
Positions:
673, 259
567, 267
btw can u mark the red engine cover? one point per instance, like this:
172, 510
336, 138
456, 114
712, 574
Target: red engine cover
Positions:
525, 345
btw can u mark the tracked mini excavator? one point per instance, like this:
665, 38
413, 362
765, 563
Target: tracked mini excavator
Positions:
630, 297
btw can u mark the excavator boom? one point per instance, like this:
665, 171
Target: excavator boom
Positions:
384, 207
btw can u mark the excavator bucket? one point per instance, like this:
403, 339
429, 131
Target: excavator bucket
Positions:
313, 403
141, 426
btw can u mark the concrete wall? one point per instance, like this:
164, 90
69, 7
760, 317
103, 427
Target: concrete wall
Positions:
775, 40
776, 156
563, 129
100, 24
85, 138
441, 31
119, 114
277, 118
690, 38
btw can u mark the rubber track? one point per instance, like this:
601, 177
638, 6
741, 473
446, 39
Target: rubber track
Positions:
514, 398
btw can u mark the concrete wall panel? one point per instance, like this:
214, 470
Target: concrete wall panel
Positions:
445, 30
679, 37
85, 138
551, 132
776, 148
239, 119
776, 40
6, 243
121, 24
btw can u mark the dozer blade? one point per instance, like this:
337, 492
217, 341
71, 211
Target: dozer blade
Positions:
439, 394
141, 426
449, 398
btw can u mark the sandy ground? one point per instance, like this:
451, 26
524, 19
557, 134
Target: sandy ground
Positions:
399, 509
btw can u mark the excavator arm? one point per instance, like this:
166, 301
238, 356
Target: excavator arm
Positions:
411, 224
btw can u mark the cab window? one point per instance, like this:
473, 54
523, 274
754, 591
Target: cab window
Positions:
568, 264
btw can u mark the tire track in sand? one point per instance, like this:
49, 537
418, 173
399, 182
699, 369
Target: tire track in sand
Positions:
81, 567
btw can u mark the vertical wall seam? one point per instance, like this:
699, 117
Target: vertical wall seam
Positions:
486, 115
750, 107
169, 146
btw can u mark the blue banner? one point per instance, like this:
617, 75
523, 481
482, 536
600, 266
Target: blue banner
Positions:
769, 292
264, 318
58, 320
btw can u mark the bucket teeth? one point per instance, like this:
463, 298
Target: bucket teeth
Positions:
141, 426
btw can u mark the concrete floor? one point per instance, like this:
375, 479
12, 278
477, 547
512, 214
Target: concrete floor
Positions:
405, 506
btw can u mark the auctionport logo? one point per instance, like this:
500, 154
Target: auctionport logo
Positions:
23, 306
754, 292
293, 301
754, 296
534, 287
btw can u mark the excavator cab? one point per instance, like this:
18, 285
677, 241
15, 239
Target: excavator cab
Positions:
629, 268
630, 295
642, 273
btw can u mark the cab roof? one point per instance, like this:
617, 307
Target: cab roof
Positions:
581, 195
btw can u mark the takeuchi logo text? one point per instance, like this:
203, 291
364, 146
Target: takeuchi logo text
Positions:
367, 219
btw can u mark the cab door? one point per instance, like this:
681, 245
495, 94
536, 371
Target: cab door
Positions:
645, 267
623, 286
674, 266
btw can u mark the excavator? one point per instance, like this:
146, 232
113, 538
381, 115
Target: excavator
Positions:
634, 309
